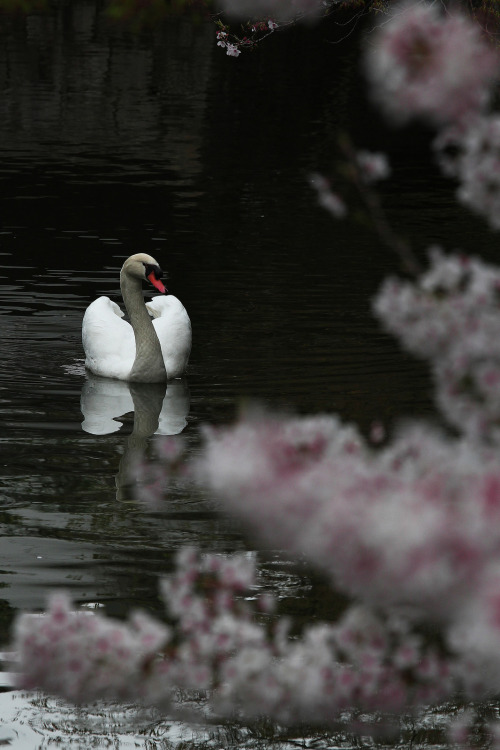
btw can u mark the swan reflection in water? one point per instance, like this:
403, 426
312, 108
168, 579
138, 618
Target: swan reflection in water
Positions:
158, 408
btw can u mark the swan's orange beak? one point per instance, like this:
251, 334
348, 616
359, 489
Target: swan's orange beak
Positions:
156, 283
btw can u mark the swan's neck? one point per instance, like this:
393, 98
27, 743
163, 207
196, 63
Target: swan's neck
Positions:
148, 365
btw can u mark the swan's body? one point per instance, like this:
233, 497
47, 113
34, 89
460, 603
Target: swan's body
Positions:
154, 346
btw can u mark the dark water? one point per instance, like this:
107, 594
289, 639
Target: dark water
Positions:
113, 143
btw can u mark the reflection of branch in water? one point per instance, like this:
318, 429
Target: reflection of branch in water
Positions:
158, 409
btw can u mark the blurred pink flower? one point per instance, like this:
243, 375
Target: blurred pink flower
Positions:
425, 63
451, 316
472, 155
327, 199
373, 166
232, 50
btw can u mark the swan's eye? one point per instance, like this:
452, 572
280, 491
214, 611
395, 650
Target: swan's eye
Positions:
155, 270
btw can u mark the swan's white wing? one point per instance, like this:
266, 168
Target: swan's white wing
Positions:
173, 329
108, 340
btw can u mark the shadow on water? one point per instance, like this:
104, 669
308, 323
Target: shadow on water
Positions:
113, 143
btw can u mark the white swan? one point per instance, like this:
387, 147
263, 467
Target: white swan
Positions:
145, 350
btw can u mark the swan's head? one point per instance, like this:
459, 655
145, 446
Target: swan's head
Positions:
144, 266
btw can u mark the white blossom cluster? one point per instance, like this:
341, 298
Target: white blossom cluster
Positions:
327, 199
437, 66
429, 63
372, 166
247, 668
451, 316
471, 155
84, 656
411, 530
406, 525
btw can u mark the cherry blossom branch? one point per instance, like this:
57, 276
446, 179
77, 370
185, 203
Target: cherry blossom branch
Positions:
266, 16
250, 668
364, 169
360, 170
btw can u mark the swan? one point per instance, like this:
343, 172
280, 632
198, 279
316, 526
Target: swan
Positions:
154, 346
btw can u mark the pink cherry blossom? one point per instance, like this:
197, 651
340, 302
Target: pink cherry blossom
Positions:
406, 525
232, 50
451, 316
327, 199
475, 163
430, 64
221, 39
246, 667
84, 656
373, 166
